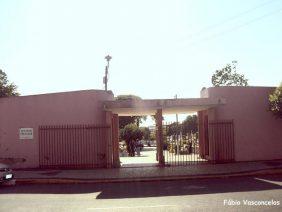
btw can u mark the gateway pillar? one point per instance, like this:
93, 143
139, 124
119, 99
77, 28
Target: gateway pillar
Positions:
159, 137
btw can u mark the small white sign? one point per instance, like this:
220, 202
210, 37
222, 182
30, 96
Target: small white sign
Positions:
26, 133
8, 176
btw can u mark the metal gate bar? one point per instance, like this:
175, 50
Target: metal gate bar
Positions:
181, 149
73, 146
221, 138
184, 149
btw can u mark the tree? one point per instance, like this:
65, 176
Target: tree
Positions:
125, 120
7, 88
228, 76
190, 125
146, 133
275, 101
173, 129
131, 134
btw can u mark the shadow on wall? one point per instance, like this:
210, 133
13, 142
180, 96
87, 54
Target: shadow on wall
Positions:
12, 161
154, 189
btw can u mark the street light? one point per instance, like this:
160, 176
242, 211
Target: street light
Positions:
105, 79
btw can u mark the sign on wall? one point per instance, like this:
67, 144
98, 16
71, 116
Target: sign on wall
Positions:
26, 133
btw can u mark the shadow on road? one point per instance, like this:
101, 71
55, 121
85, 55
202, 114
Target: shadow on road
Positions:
153, 189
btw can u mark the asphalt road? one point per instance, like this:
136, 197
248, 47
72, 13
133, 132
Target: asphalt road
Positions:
184, 195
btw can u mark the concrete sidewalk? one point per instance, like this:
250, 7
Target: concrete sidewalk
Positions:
148, 173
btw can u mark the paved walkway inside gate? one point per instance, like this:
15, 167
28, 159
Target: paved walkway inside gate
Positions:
147, 158
148, 173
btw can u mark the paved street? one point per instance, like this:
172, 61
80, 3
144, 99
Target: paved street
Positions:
188, 195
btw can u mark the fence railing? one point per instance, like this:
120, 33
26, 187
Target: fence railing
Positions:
73, 146
185, 149
221, 139
181, 149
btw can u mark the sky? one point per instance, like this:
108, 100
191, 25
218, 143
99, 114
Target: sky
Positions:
159, 48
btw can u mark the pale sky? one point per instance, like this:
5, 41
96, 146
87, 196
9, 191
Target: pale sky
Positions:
159, 48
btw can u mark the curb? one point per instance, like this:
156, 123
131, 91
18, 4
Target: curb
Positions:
144, 179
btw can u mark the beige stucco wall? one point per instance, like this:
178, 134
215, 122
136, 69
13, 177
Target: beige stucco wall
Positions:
78, 107
258, 134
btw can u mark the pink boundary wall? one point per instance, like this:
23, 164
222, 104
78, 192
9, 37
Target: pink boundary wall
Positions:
258, 134
77, 107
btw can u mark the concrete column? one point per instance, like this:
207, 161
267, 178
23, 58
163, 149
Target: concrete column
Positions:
109, 143
115, 140
159, 137
201, 132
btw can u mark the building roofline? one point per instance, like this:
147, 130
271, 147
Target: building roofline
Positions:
59, 93
169, 106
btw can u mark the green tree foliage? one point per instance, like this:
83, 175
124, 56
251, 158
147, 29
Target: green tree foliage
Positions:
125, 120
7, 88
228, 77
173, 129
190, 125
275, 102
146, 133
131, 133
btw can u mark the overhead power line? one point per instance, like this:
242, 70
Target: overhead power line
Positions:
213, 26
236, 27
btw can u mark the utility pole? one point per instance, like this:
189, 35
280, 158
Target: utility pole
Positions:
234, 63
105, 79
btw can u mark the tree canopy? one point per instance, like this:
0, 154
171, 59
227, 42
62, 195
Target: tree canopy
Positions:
190, 124
131, 133
228, 76
125, 120
173, 129
7, 88
146, 133
275, 101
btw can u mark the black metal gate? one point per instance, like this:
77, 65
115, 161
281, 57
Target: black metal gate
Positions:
185, 149
221, 138
73, 146
181, 149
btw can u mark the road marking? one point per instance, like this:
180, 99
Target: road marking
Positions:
193, 187
270, 181
132, 207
